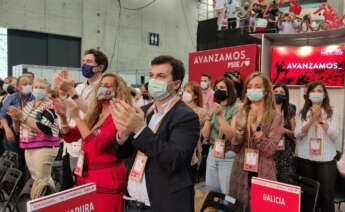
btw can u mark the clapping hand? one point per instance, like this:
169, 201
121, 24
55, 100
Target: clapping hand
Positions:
73, 110
60, 106
216, 109
253, 116
64, 81
126, 118
15, 113
241, 120
316, 113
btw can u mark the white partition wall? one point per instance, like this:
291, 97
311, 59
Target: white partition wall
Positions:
321, 38
47, 71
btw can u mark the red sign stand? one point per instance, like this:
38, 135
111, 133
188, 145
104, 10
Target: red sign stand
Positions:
216, 62
267, 195
81, 198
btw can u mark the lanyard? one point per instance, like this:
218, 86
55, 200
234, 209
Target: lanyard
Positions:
149, 111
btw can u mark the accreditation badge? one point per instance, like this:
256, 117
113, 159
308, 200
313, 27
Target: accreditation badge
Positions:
219, 148
251, 160
138, 167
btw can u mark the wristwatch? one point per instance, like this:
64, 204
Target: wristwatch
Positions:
75, 96
321, 122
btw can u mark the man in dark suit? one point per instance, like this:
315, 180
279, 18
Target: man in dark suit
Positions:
159, 139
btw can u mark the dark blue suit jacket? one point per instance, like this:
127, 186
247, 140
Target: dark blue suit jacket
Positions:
168, 171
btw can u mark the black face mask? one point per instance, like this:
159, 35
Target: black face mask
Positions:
145, 96
246, 8
279, 98
11, 89
133, 93
219, 96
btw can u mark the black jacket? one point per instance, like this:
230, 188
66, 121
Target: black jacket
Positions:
168, 171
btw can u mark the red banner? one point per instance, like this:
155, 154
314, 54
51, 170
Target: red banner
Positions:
301, 65
81, 198
295, 7
281, 3
218, 61
267, 195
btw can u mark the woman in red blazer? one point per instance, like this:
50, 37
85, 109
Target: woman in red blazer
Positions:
97, 162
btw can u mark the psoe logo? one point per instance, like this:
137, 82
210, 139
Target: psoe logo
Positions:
330, 52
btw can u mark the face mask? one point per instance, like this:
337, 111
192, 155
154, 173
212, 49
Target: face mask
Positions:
27, 89
145, 96
39, 93
10, 89
255, 95
4, 87
158, 89
87, 71
105, 94
316, 97
204, 85
219, 96
279, 98
133, 93
187, 97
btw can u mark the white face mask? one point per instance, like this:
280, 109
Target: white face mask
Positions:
187, 97
204, 85
158, 89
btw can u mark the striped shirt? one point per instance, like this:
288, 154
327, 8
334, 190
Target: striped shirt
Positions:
46, 121
328, 144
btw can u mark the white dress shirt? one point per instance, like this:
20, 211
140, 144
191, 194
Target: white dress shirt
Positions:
328, 145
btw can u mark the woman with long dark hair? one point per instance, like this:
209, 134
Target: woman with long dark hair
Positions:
317, 128
284, 156
217, 132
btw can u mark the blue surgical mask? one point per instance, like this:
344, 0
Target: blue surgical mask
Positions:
279, 98
204, 85
316, 97
105, 94
27, 89
158, 89
4, 87
39, 93
255, 95
87, 71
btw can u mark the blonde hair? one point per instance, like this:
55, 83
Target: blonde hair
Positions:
268, 99
122, 92
43, 81
9, 80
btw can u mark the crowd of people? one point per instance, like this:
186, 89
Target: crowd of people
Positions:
252, 18
144, 145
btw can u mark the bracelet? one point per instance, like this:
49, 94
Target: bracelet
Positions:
240, 132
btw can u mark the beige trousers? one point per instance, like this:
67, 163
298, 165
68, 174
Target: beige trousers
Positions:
40, 162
